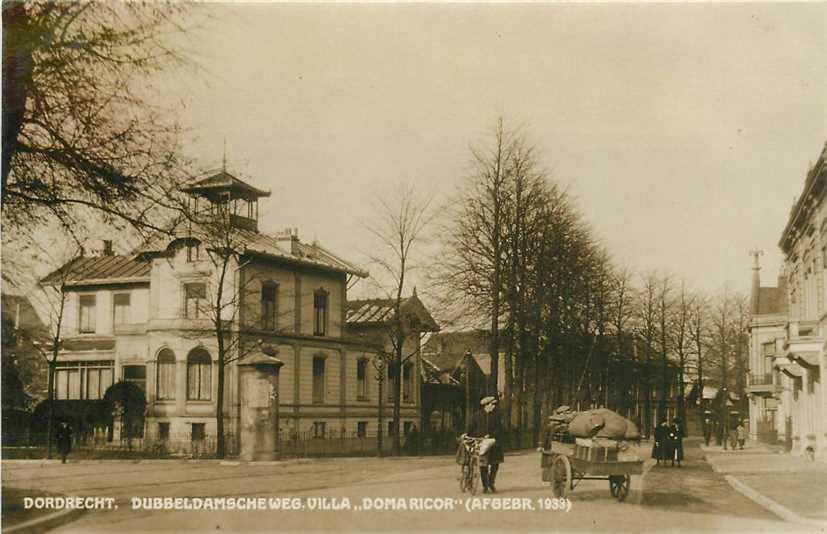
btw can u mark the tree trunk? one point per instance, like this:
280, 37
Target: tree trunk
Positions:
51, 401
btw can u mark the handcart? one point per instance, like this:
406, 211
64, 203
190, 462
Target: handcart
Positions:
565, 468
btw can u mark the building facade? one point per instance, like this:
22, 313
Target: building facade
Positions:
802, 363
767, 332
148, 318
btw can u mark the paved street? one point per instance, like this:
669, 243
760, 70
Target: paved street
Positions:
688, 499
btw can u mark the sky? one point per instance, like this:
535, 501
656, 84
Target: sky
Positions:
683, 131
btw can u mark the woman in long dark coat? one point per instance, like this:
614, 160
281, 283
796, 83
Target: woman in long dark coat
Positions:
64, 440
660, 450
486, 424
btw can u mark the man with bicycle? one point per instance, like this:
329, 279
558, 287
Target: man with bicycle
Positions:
486, 424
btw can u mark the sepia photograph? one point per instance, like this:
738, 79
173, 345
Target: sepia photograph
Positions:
420, 266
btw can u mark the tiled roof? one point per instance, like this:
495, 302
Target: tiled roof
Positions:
380, 311
371, 310
773, 300
258, 243
447, 362
94, 269
475, 341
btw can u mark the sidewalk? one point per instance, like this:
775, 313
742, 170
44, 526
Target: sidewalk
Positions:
789, 486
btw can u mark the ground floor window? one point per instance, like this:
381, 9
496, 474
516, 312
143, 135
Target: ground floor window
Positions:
361, 429
83, 380
408, 426
163, 431
319, 429
199, 431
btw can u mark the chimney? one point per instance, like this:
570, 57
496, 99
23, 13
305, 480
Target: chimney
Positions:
294, 242
756, 281
107, 248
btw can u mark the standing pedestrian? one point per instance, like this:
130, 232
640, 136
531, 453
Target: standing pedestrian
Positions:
64, 440
486, 424
660, 448
741, 432
707, 430
676, 442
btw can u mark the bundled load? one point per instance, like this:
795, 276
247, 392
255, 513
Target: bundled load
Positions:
600, 423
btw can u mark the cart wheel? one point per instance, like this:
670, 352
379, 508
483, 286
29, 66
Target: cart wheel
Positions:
560, 476
474, 475
619, 486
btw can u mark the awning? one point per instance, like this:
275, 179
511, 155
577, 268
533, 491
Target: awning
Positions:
793, 370
808, 358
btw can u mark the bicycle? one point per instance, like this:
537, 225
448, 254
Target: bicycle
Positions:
469, 478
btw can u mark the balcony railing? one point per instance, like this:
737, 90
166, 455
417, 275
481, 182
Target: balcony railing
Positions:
760, 379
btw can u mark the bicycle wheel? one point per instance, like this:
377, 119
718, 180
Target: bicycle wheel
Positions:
474, 475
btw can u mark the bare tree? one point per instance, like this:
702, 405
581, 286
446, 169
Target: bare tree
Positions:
663, 313
680, 336
53, 298
398, 229
79, 132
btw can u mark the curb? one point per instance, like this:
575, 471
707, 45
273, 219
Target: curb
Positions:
47, 522
781, 511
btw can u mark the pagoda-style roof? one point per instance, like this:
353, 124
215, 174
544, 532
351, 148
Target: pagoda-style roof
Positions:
222, 182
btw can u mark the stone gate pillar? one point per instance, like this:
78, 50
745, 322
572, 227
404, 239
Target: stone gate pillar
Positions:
259, 391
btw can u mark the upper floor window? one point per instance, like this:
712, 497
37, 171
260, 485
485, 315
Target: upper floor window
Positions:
392, 384
87, 314
166, 375
320, 313
318, 379
768, 348
120, 303
195, 300
193, 252
407, 382
362, 379
268, 306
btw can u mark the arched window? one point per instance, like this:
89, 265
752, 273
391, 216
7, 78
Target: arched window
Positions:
166, 375
199, 375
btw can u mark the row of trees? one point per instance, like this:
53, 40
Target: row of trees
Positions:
575, 327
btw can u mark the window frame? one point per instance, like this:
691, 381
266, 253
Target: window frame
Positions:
115, 306
362, 388
319, 396
200, 309
199, 359
407, 384
317, 426
91, 327
166, 357
269, 323
320, 324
